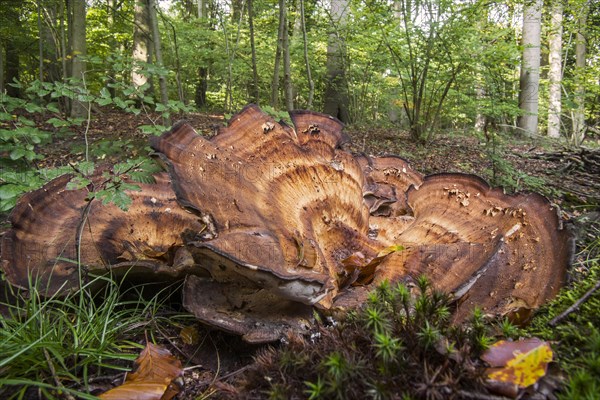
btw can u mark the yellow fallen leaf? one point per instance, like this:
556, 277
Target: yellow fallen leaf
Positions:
390, 249
522, 363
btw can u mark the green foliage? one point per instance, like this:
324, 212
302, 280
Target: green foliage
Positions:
400, 343
28, 125
503, 173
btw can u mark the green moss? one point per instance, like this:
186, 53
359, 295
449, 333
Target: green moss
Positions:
401, 343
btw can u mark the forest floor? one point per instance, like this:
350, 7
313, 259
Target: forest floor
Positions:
538, 164
517, 164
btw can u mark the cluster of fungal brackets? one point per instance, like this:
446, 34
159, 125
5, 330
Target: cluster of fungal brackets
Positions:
266, 222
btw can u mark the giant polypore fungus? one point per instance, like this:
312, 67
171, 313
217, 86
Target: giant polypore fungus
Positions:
266, 221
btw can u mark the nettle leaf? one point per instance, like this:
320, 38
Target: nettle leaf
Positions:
521, 363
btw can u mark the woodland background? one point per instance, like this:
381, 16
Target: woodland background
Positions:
509, 90
421, 65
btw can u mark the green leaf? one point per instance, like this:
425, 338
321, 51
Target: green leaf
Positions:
8, 191
53, 107
86, 167
78, 182
21, 152
102, 101
33, 108
58, 123
8, 204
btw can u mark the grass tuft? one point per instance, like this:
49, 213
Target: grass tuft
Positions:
56, 346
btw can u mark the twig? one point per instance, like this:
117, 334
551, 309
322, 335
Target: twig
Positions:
575, 306
479, 396
57, 381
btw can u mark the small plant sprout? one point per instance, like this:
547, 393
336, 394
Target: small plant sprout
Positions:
387, 347
428, 335
315, 390
376, 319
508, 329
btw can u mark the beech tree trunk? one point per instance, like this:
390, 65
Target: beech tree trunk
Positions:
530, 68
555, 72
254, 94
278, 51
336, 95
11, 52
79, 49
311, 83
287, 71
580, 55
141, 42
202, 81
162, 79
1, 68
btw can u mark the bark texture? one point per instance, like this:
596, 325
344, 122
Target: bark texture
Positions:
555, 72
530, 68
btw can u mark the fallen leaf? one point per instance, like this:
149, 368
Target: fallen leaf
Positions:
521, 363
189, 334
389, 250
153, 378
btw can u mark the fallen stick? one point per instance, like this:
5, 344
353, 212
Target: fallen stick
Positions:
575, 306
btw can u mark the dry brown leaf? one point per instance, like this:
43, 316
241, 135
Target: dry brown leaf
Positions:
153, 378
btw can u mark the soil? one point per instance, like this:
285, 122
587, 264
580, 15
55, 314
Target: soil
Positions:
114, 136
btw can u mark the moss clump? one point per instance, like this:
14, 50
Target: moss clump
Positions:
400, 343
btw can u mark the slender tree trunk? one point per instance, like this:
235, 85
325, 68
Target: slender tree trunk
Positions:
2, 73
278, 51
13, 67
580, 55
311, 83
555, 72
63, 40
481, 118
336, 102
78, 40
200, 9
202, 82
40, 42
162, 79
287, 72
141, 42
254, 94
180, 93
530, 68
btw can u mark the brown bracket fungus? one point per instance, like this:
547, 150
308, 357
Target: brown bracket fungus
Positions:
266, 221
